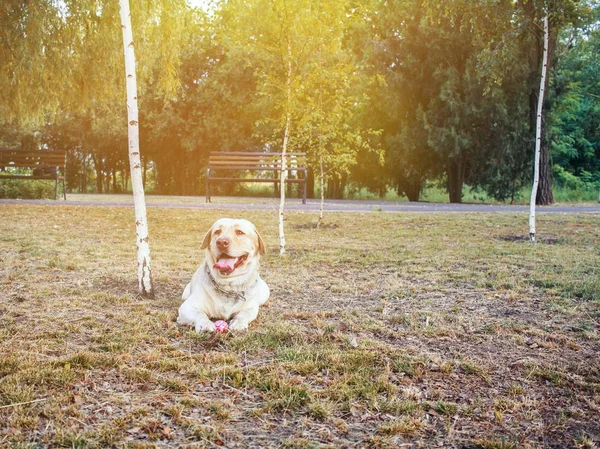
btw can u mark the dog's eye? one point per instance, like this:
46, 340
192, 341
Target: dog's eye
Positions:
238, 232
217, 232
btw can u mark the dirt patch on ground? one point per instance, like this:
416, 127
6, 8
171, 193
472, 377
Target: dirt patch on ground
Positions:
547, 240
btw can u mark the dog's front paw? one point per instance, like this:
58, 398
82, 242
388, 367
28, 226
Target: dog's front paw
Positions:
205, 326
238, 325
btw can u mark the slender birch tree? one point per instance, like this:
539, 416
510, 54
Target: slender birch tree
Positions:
272, 38
538, 132
139, 201
286, 136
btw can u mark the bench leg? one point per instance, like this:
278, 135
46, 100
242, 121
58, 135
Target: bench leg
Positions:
208, 185
56, 188
64, 188
304, 188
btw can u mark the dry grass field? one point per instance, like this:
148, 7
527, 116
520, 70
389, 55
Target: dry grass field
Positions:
383, 331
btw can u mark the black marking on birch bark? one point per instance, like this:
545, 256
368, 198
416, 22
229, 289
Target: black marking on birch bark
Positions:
130, 44
138, 222
130, 76
133, 122
150, 292
135, 153
136, 166
145, 240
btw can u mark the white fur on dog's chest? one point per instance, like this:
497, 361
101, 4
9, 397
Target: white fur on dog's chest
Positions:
225, 308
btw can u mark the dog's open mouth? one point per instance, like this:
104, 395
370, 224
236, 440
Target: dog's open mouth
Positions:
227, 264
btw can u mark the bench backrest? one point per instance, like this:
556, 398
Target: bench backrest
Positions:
33, 159
255, 161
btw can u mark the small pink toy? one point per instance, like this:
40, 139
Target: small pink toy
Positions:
221, 326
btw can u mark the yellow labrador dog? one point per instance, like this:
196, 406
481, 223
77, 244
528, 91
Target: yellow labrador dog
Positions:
227, 285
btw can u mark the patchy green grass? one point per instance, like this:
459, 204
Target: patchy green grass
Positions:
434, 193
383, 330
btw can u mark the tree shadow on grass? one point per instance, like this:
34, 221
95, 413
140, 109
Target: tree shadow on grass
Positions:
549, 240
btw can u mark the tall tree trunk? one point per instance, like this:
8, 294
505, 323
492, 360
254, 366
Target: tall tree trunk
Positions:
544, 194
83, 187
139, 201
181, 180
310, 184
538, 134
286, 135
343, 184
413, 193
335, 187
513, 191
115, 185
99, 167
456, 175
411, 187
123, 181
126, 180
322, 182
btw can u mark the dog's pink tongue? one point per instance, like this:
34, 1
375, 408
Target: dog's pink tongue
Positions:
225, 264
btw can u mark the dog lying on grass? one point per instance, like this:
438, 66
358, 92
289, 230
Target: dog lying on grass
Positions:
227, 285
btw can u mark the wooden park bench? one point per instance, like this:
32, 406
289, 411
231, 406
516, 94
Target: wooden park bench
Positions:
26, 165
224, 163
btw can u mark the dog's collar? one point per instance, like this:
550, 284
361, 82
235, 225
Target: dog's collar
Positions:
238, 296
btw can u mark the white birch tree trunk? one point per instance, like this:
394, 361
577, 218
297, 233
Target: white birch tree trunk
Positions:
282, 178
139, 201
538, 132
286, 135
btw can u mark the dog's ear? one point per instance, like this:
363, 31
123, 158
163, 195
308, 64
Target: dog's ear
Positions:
261, 244
206, 240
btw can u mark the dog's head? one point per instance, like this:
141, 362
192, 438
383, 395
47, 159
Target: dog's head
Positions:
233, 247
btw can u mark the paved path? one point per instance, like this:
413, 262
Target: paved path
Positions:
230, 203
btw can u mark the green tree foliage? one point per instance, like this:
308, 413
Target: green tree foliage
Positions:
385, 42
332, 104
436, 112
460, 89
457, 115
306, 40
451, 85
34, 46
574, 123
522, 48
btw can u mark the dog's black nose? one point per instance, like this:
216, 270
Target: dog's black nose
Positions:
223, 242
